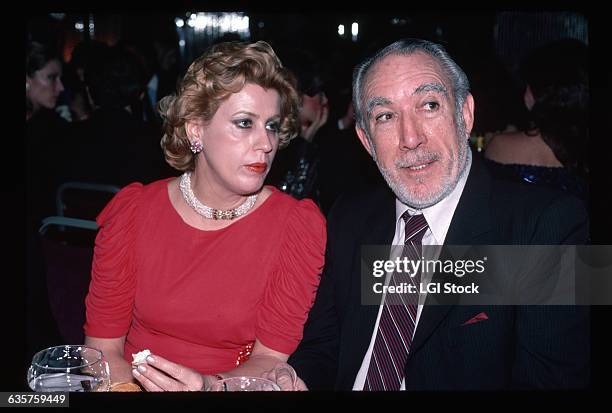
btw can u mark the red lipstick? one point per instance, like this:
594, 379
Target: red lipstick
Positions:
257, 167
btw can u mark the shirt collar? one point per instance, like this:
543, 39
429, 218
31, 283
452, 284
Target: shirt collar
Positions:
439, 215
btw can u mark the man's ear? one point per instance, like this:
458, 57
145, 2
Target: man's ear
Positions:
468, 113
364, 139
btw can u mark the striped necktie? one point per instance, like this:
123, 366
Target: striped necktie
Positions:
398, 318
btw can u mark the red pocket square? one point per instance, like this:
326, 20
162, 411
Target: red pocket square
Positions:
477, 318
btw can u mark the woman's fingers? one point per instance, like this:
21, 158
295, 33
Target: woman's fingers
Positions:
285, 376
168, 367
216, 386
300, 385
160, 379
145, 381
184, 378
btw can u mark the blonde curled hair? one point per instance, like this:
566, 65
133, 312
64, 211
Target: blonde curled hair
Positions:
210, 80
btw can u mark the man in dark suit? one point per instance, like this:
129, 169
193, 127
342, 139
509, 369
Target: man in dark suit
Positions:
414, 114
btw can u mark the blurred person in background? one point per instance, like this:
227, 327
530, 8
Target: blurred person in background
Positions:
553, 149
45, 130
115, 129
43, 78
296, 170
86, 56
326, 159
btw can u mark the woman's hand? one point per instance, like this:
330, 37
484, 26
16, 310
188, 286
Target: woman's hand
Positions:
316, 120
285, 376
159, 374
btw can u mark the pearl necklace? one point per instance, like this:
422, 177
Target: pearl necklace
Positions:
208, 212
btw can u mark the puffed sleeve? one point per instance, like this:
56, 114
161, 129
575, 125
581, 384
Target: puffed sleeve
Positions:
291, 289
112, 288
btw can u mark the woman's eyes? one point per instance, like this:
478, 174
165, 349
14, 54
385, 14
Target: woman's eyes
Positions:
247, 124
273, 126
243, 123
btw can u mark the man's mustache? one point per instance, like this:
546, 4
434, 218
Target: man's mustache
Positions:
417, 158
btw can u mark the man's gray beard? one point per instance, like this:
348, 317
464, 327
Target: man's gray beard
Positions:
448, 184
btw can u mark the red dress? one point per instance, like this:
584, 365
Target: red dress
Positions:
199, 297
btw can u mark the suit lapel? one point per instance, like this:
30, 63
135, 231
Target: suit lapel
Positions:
378, 229
471, 225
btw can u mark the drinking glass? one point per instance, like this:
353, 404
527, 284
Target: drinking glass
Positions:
246, 383
69, 368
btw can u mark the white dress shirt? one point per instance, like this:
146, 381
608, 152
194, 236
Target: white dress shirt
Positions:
438, 218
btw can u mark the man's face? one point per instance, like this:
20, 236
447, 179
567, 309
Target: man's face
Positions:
414, 137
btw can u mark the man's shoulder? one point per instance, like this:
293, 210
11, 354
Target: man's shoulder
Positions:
535, 213
496, 210
508, 194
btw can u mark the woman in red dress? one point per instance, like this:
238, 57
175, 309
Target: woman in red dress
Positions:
212, 271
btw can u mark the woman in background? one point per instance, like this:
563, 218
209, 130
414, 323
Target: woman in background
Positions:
553, 150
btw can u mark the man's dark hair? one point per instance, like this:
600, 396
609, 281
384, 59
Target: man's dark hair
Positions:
118, 81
